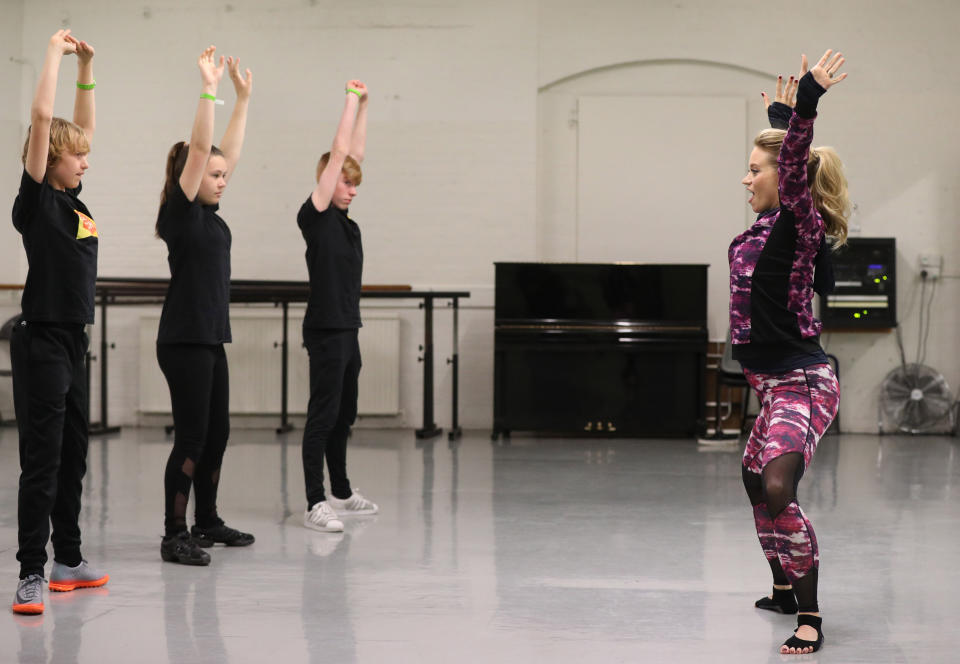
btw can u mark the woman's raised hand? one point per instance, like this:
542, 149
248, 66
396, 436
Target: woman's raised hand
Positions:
243, 86
786, 92
210, 71
825, 71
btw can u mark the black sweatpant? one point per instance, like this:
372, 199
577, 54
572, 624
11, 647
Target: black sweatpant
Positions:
334, 372
50, 401
200, 397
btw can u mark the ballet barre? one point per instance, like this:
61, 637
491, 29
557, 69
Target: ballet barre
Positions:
114, 291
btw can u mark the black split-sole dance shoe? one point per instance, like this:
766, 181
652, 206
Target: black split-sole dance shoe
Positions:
222, 534
181, 548
783, 601
800, 644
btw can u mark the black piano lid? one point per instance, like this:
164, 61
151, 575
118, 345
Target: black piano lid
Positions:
601, 293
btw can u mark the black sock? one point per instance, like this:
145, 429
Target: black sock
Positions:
173, 531
805, 589
70, 560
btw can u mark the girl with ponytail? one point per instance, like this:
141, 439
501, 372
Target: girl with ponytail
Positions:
176, 160
195, 323
800, 197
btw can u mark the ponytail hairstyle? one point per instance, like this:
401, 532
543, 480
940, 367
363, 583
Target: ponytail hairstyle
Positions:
827, 182
176, 160
829, 190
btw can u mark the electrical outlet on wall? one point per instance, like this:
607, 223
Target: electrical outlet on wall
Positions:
930, 265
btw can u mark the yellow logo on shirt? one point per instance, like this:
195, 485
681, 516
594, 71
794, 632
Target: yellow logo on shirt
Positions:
87, 227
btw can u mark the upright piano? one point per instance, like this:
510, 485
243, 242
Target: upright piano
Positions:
600, 349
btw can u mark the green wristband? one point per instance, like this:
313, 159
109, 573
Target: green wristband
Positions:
87, 86
356, 92
212, 98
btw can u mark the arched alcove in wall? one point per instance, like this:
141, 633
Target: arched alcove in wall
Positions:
642, 161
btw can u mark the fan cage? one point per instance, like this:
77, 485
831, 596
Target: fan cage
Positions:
916, 399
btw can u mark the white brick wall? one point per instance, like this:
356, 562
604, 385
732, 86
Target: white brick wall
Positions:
11, 141
885, 120
468, 163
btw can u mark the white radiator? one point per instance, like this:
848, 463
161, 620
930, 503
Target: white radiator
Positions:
255, 371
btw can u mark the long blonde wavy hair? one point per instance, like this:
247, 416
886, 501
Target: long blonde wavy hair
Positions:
828, 184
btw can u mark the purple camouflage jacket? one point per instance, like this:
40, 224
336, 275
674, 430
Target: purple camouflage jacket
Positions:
772, 262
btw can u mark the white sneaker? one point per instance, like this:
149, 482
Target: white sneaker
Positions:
355, 505
322, 517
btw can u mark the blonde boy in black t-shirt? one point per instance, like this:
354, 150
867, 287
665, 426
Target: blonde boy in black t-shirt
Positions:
332, 320
48, 344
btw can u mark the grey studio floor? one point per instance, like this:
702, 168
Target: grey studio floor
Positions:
538, 550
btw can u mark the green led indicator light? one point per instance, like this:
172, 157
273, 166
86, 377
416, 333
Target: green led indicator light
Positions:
865, 312
884, 277
876, 281
856, 315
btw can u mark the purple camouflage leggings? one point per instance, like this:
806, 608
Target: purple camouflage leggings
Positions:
796, 409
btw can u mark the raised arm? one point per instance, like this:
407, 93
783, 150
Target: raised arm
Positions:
794, 189
84, 109
41, 111
323, 192
232, 142
201, 138
358, 141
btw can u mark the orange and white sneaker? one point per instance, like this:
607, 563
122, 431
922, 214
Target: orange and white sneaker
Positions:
29, 597
64, 578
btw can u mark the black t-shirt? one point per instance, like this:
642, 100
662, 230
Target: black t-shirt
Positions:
61, 243
335, 264
197, 307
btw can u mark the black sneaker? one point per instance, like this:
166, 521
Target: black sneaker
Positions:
181, 548
221, 533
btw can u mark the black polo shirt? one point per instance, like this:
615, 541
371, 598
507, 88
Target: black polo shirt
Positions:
335, 263
197, 307
60, 239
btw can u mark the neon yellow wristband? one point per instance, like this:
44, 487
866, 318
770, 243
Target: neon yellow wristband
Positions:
212, 98
356, 92
87, 86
